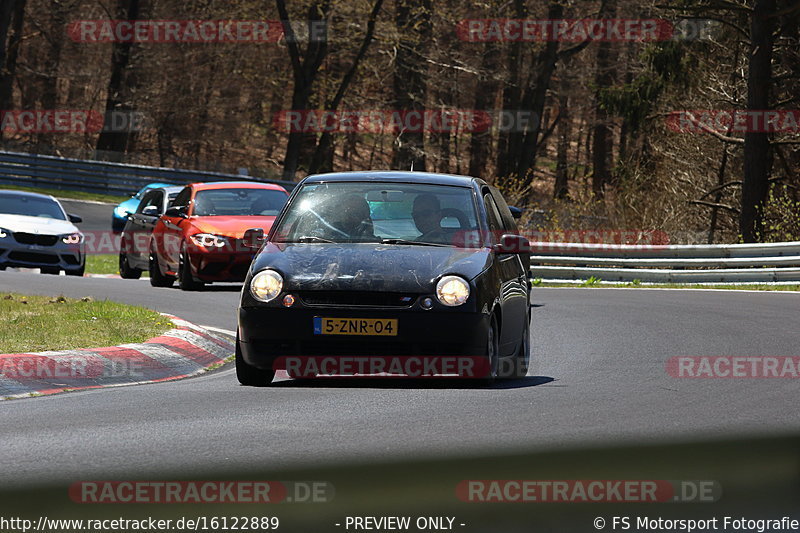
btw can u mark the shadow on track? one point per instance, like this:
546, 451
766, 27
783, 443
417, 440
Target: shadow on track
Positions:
364, 382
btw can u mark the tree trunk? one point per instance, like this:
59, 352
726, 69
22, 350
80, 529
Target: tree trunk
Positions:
413, 24
12, 14
120, 86
757, 155
602, 142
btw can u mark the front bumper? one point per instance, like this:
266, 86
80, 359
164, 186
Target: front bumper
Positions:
220, 266
59, 255
269, 332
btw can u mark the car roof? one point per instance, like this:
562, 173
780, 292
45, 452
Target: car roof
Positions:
26, 194
397, 176
236, 185
169, 190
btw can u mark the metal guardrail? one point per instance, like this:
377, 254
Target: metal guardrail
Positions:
720, 263
32, 170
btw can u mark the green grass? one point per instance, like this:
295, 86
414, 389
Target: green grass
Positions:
72, 195
39, 323
104, 264
640, 285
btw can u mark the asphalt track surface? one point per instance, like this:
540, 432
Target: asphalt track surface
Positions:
599, 378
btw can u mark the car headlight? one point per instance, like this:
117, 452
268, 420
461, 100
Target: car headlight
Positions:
72, 238
121, 212
452, 291
207, 240
266, 285
4, 233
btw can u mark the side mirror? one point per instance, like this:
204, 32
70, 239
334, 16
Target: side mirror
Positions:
516, 212
512, 244
150, 211
75, 219
179, 212
253, 238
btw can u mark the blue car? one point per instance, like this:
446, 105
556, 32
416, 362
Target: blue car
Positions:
120, 214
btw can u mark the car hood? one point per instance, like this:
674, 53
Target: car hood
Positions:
128, 205
233, 227
41, 225
369, 267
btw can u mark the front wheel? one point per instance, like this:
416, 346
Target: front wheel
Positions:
186, 280
248, 374
157, 278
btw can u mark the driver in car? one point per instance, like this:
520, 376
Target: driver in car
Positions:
427, 215
354, 217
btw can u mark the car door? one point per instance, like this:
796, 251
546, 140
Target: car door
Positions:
512, 280
169, 232
141, 225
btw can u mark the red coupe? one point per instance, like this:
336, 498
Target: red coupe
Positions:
200, 238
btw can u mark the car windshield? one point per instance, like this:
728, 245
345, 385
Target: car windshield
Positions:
396, 213
32, 206
238, 202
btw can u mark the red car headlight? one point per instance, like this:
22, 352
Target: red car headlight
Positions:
208, 240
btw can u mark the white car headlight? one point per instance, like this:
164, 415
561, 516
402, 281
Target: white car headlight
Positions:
3, 233
452, 291
207, 240
72, 238
266, 285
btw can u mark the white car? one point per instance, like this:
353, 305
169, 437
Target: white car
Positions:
36, 232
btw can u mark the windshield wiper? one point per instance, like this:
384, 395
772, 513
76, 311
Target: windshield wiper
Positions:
411, 243
313, 238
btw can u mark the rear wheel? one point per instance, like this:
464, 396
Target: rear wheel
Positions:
157, 278
126, 271
248, 374
522, 358
492, 353
186, 280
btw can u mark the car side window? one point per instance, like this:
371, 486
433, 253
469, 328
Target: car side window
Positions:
182, 200
509, 224
151, 198
492, 214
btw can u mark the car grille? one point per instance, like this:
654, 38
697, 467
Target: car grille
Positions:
33, 238
33, 257
356, 299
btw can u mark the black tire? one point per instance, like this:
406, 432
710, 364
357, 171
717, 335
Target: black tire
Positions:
126, 271
249, 375
186, 280
77, 272
492, 352
50, 270
522, 359
157, 278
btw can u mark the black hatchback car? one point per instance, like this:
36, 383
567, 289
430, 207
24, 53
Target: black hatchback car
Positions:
388, 273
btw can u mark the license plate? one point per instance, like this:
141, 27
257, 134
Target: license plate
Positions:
355, 326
